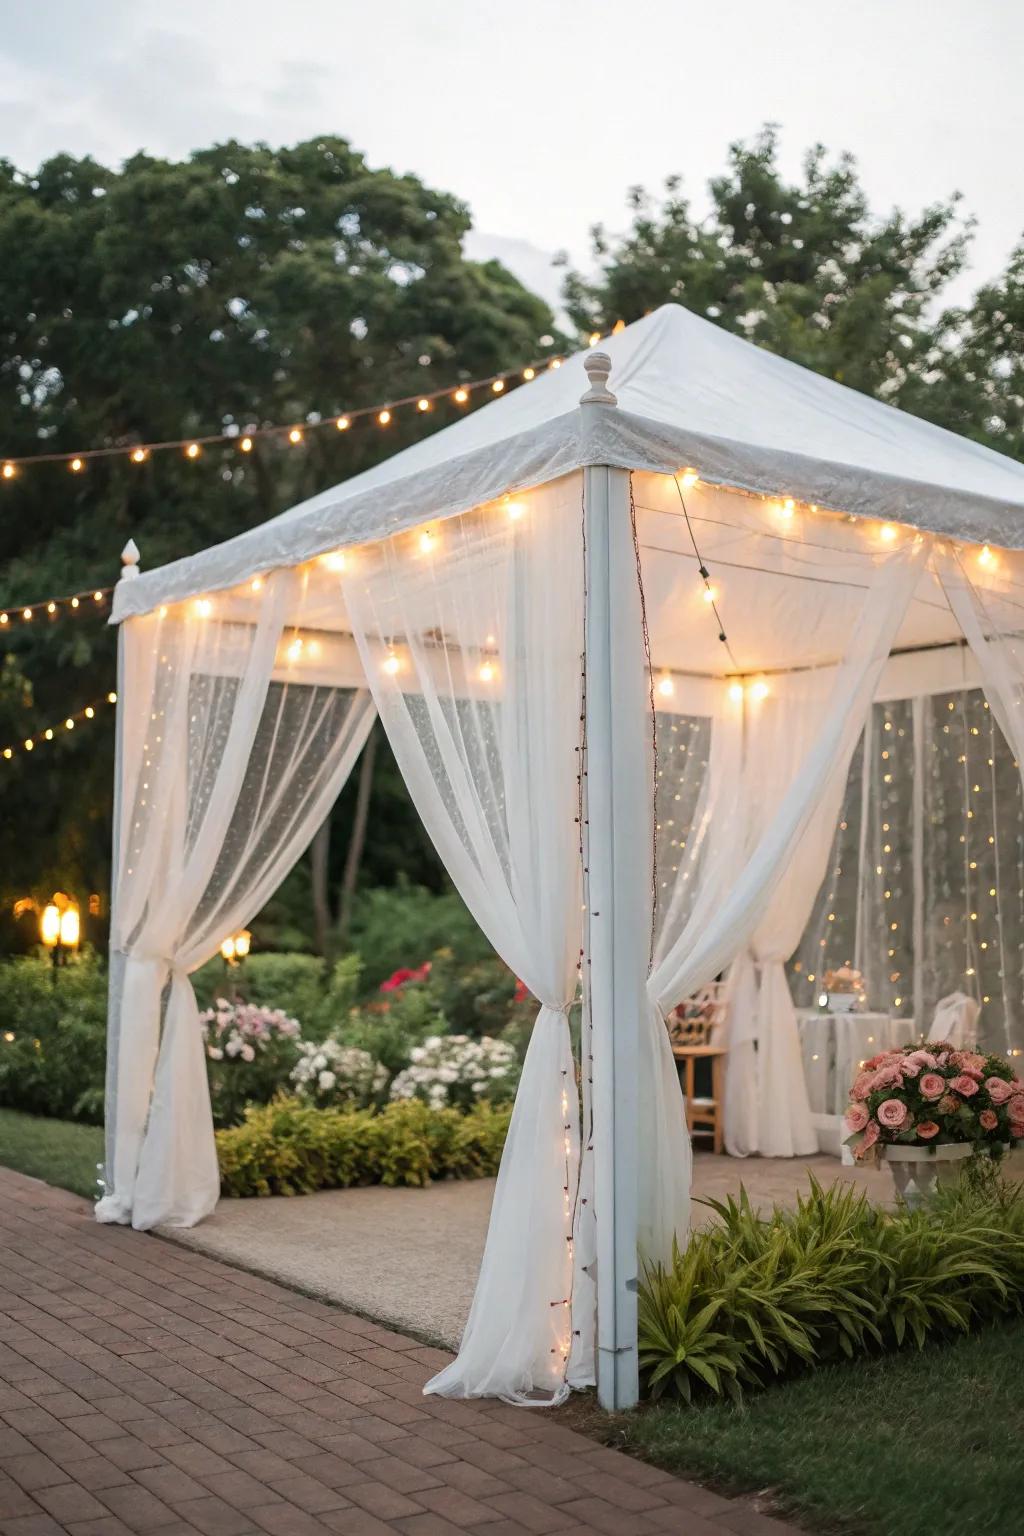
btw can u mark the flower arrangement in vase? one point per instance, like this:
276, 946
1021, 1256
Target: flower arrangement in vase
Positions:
932, 1104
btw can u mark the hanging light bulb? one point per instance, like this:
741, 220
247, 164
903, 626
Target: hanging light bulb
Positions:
736, 692
595, 337
111, 698
26, 613
246, 445
486, 673
204, 607
9, 471
139, 455
887, 533
461, 396
51, 607
76, 466
688, 478
498, 386
666, 687
295, 649
192, 451
709, 594
423, 404
343, 423
391, 664
335, 560
427, 541
985, 556
529, 373
759, 690
515, 509
383, 417
295, 435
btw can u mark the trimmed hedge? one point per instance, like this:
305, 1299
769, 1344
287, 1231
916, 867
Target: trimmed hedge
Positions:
289, 1148
754, 1298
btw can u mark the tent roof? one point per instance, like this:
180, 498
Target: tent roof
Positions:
689, 393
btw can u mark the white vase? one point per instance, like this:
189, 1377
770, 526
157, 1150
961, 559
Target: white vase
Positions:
917, 1171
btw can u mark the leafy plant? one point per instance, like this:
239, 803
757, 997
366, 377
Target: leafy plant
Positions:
752, 1298
53, 1037
289, 1148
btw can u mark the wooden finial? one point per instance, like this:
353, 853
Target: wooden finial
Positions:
598, 366
129, 560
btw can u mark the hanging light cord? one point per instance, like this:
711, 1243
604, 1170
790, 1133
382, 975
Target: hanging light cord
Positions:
705, 576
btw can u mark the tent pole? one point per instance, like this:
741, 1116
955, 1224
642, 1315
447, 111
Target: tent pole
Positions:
617, 893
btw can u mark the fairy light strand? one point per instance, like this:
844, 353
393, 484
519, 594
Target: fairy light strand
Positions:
52, 733
245, 438
705, 575
49, 607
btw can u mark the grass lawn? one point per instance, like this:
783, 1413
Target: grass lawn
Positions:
58, 1151
911, 1444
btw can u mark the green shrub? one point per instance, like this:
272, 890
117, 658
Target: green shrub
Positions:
390, 1026
53, 1037
752, 1298
287, 1148
403, 925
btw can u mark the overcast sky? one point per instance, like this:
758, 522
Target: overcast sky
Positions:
540, 113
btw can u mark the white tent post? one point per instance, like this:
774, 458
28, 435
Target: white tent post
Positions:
618, 893
115, 966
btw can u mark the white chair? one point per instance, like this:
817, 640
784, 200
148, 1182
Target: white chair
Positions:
956, 1020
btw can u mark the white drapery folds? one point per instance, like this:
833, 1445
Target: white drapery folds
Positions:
772, 795
232, 755
470, 636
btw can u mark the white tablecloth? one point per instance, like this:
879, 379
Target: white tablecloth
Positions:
833, 1046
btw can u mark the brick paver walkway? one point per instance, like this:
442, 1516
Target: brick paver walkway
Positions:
147, 1388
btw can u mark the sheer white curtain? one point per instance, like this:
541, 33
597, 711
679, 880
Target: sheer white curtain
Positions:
741, 871
470, 636
231, 758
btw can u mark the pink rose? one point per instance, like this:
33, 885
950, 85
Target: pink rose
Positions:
862, 1086
888, 1077
1016, 1109
943, 1059
867, 1141
931, 1085
927, 1129
988, 1119
965, 1086
856, 1118
892, 1114
922, 1058
973, 1062
998, 1089
911, 1067
948, 1104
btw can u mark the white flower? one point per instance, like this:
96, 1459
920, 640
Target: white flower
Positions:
215, 1053
326, 1081
248, 1054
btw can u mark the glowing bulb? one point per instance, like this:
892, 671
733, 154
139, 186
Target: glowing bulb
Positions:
192, 451
74, 602
618, 327
97, 597
383, 417
515, 509
666, 687
335, 561
8, 752
48, 733
759, 690
26, 613
688, 478
498, 386
69, 724
529, 373
427, 541
256, 584
823, 1003
887, 533
246, 445
29, 744
49, 925
343, 423
204, 607
76, 466
391, 664
461, 396
138, 455
51, 607
423, 404
486, 673
556, 362
4, 618
295, 649
709, 594
295, 435
736, 692
595, 337
985, 557
111, 698
90, 712
9, 471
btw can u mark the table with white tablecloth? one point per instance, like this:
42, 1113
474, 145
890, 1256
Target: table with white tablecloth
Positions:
833, 1045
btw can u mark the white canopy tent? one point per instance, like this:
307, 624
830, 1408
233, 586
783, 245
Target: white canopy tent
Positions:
549, 614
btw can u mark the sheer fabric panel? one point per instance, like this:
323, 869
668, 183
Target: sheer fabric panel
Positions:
233, 753
470, 635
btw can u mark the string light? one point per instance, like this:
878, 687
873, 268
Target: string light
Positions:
343, 423
487, 672
139, 455
688, 478
76, 466
498, 386
759, 690
383, 417
514, 509
246, 444
528, 374
295, 435
428, 542
192, 451
9, 471
461, 396
29, 743
423, 404
666, 687
391, 664
736, 692
51, 605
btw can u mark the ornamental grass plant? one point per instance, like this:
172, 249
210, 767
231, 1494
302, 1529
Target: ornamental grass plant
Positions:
753, 1299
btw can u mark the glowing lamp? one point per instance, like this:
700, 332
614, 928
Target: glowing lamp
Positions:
391, 664
688, 478
343, 423
70, 927
666, 687
759, 690
736, 692
49, 925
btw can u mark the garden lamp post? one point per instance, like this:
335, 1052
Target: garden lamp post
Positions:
60, 929
234, 950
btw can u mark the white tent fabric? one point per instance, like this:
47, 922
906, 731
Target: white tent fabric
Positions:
450, 581
689, 393
472, 649
230, 762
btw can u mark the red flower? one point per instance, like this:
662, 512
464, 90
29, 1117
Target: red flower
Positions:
522, 992
397, 980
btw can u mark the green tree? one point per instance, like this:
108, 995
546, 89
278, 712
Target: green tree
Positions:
802, 268
245, 285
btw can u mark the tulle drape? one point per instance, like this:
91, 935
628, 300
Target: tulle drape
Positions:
470, 636
232, 755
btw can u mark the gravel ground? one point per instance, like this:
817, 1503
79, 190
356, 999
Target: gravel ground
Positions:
409, 1257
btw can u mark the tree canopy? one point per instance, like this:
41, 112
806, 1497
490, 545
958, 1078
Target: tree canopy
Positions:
245, 285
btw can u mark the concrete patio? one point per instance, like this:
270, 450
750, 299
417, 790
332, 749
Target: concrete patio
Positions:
409, 1257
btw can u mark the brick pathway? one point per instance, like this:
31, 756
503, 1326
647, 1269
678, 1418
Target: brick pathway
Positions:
148, 1388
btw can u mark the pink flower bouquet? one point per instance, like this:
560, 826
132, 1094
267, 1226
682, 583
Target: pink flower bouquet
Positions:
931, 1095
